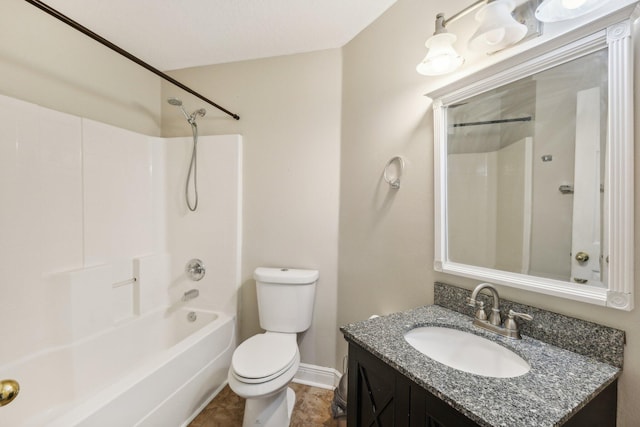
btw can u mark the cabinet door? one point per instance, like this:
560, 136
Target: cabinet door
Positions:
600, 411
430, 411
378, 395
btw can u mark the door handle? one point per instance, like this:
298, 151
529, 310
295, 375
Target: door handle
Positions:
9, 390
582, 257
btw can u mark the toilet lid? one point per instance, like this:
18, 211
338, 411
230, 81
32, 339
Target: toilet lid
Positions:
264, 355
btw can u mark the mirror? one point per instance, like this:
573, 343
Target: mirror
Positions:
534, 173
548, 129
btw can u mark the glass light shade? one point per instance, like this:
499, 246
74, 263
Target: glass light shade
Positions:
561, 10
441, 57
498, 29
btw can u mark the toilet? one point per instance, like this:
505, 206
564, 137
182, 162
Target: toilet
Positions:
263, 366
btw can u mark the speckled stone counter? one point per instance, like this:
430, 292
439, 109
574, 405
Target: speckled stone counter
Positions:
559, 383
605, 344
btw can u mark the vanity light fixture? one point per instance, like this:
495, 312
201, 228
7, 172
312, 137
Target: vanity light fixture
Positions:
561, 10
498, 29
501, 23
441, 58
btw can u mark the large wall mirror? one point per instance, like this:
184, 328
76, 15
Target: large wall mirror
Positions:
534, 173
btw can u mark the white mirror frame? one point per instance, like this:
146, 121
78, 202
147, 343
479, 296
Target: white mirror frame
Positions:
619, 225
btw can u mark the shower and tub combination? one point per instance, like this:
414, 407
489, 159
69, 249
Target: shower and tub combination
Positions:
113, 329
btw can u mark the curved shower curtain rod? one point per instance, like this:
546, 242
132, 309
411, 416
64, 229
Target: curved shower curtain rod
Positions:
53, 12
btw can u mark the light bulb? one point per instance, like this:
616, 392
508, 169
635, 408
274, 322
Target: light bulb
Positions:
441, 63
441, 57
497, 28
494, 37
573, 4
561, 10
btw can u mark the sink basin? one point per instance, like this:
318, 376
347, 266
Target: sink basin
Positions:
467, 352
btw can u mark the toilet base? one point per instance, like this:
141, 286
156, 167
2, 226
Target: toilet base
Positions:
271, 411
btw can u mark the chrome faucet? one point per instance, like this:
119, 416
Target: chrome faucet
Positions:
190, 294
494, 318
494, 322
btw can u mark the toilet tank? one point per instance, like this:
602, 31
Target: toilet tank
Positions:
285, 298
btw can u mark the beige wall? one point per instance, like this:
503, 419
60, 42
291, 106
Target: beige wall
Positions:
386, 235
290, 124
300, 151
386, 238
46, 62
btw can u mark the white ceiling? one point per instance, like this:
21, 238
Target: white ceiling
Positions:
173, 34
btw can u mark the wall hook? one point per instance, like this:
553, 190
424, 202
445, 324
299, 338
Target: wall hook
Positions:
394, 181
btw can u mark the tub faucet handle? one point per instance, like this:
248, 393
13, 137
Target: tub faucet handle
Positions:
195, 269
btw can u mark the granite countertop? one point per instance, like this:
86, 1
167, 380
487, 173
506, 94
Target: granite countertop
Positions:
559, 383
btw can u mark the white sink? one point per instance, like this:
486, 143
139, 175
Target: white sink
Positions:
467, 352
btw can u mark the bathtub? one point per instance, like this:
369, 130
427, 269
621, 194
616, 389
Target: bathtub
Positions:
157, 370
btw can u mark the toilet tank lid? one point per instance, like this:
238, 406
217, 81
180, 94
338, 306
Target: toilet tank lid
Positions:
293, 276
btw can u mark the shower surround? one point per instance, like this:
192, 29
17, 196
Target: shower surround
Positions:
86, 209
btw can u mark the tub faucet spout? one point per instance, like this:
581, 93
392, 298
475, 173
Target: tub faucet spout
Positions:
190, 294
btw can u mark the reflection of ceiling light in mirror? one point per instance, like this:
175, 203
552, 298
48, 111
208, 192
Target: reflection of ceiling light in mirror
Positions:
441, 58
560, 10
498, 29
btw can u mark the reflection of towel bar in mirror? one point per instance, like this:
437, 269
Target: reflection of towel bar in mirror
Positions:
568, 189
124, 282
394, 182
493, 122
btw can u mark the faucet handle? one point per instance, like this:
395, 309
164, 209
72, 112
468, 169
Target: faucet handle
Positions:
511, 325
524, 316
195, 269
480, 313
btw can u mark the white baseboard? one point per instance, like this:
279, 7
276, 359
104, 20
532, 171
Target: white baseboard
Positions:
317, 376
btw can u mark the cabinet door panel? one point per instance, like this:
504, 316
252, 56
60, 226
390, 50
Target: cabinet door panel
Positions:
377, 395
600, 412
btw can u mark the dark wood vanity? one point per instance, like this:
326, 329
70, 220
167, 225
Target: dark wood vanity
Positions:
379, 395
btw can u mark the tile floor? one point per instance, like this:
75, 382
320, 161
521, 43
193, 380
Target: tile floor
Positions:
312, 409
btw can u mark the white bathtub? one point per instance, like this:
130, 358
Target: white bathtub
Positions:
157, 370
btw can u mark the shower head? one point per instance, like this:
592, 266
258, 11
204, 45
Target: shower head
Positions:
178, 103
191, 118
201, 112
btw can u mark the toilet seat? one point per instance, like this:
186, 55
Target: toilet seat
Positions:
264, 357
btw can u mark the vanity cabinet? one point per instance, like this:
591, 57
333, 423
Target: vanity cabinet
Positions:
381, 396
